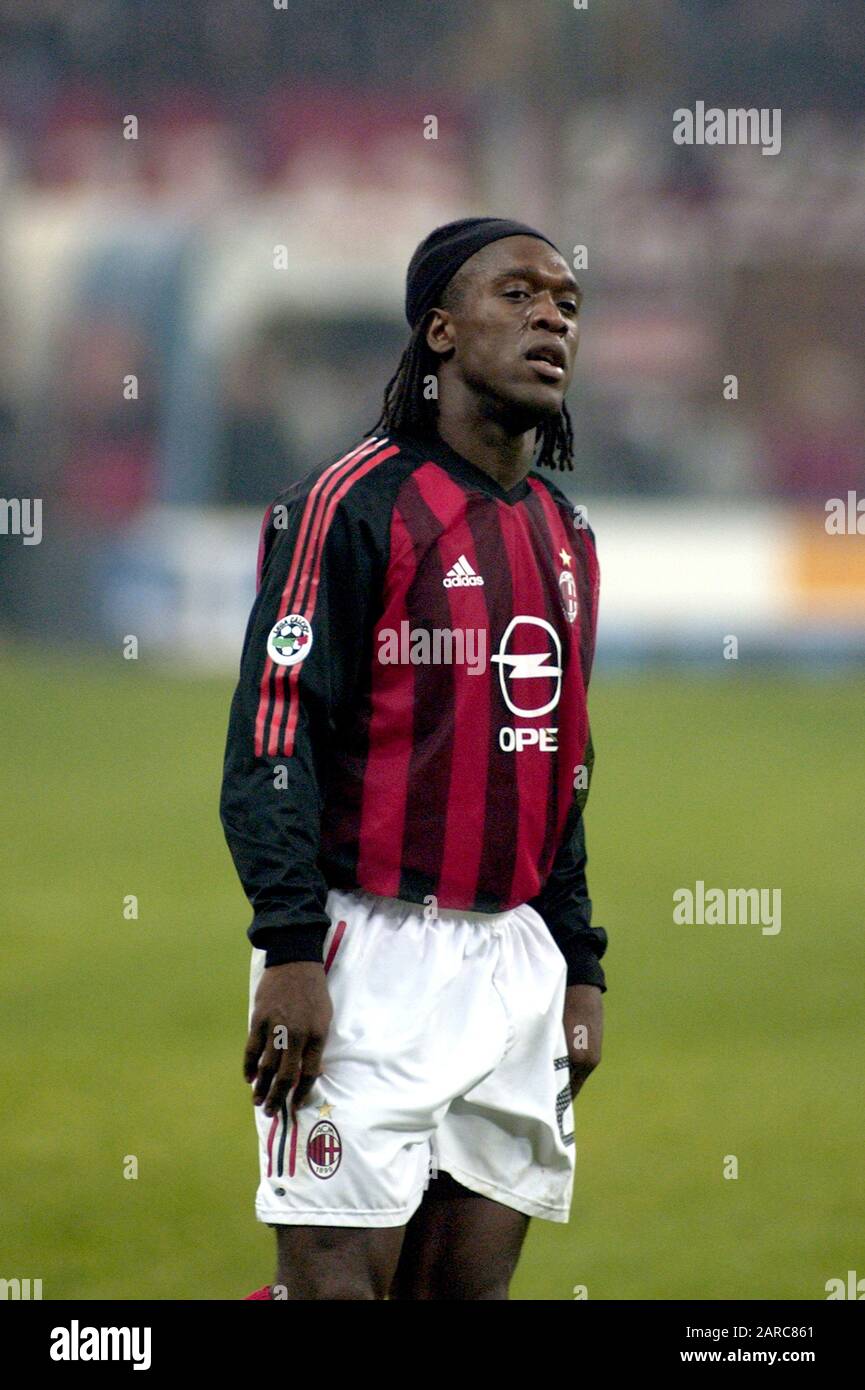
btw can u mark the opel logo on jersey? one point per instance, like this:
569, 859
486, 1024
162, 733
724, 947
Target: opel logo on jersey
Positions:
524, 655
568, 594
290, 640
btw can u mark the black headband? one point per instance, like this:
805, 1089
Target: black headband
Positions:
441, 254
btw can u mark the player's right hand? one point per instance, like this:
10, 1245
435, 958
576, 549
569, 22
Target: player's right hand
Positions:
290, 1022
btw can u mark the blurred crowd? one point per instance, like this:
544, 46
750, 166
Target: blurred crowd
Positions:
153, 154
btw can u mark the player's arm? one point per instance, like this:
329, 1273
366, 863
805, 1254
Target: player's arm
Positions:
566, 907
296, 683
564, 901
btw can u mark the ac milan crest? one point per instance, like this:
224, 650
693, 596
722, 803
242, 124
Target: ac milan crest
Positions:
324, 1149
568, 594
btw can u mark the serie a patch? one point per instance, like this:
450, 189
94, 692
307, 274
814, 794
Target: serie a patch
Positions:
289, 640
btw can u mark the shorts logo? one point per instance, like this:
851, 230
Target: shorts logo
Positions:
324, 1149
564, 1101
290, 640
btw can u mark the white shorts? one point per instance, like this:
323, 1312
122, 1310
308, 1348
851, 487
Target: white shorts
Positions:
446, 1053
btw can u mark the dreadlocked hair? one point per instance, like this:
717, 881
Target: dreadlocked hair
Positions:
408, 409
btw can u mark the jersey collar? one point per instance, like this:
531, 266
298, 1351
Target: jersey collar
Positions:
469, 473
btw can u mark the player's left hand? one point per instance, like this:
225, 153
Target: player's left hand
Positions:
584, 1029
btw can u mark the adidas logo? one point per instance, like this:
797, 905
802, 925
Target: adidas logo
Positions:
461, 576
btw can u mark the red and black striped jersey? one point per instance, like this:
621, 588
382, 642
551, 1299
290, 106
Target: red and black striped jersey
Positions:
410, 718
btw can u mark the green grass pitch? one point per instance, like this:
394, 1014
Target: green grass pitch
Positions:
125, 1037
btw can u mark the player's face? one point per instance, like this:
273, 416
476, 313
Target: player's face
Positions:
515, 329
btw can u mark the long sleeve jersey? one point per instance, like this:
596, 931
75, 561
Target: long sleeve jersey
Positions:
410, 718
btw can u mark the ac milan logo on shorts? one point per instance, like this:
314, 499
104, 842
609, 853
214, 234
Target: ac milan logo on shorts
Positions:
324, 1149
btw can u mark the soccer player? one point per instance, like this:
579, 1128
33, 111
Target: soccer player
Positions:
407, 764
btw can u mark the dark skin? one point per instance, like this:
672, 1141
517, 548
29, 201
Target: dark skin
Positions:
514, 297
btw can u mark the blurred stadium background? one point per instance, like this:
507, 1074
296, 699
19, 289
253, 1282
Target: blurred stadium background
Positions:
153, 258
